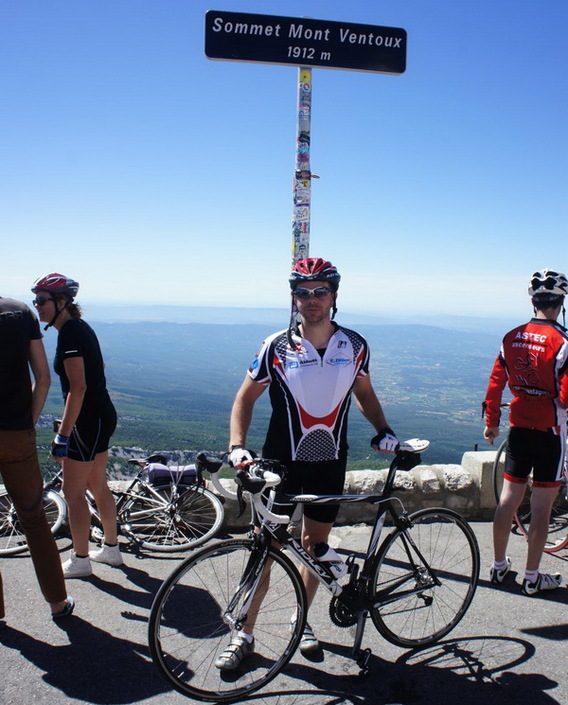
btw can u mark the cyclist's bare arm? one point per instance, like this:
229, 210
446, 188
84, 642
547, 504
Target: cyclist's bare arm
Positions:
42, 377
368, 403
241, 413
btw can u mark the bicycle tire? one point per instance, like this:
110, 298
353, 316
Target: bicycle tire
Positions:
557, 538
498, 471
12, 537
522, 518
172, 522
187, 629
448, 546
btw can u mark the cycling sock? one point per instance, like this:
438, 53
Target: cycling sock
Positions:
244, 635
531, 575
110, 545
78, 556
500, 565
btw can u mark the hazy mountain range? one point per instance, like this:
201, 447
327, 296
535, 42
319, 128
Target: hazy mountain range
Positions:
173, 373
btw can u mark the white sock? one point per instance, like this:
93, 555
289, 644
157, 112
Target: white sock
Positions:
531, 575
244, 635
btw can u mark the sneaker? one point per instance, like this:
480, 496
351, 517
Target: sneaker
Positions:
110, 555
308, 642
545, 581
75, 567
237, 650
496, 576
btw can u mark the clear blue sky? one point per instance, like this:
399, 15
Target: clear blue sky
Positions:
151, 174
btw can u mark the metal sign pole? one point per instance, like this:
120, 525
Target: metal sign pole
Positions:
302, 173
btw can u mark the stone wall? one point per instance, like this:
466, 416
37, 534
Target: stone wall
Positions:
465, 488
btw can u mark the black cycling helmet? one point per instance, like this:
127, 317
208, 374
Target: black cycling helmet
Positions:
314, 269
57, 284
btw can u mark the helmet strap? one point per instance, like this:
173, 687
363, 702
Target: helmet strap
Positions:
57, 312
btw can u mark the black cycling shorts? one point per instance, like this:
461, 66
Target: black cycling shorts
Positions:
541, 452
325, 477
91, 434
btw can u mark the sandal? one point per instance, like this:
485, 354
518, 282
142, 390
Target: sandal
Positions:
237, 650
66, 611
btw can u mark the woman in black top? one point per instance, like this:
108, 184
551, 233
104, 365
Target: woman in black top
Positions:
89, 420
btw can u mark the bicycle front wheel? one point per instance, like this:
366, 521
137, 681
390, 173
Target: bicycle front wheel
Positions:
167, 519
198, 610
12, 537
425, 578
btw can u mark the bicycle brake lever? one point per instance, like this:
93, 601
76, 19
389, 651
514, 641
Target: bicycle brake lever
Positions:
241, 501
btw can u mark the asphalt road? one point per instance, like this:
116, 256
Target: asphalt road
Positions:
508, 648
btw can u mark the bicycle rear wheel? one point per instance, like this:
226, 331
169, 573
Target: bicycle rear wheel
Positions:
192, 620
425, 576
498, 470
557, 538
172, 519
12, 537
523, 515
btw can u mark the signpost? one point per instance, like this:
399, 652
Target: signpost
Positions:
306, 43
236, 36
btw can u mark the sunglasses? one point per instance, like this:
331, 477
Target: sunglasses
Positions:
41, 301
319, 292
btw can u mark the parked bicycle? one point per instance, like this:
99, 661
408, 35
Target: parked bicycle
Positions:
557, 538
163, 508
416, 585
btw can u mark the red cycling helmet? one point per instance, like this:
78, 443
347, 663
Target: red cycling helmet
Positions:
56, 284
314, 269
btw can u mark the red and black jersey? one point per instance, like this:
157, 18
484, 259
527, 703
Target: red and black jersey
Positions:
533, 361
310, 393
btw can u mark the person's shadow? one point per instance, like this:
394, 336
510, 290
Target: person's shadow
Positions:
94, 666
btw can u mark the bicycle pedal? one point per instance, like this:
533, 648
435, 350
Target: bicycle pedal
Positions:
362, 660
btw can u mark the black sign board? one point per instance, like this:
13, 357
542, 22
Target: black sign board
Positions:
238, 36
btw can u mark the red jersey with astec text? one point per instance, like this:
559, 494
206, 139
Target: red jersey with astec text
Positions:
533, 361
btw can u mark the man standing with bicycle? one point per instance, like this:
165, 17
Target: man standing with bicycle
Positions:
533, 361
311, 370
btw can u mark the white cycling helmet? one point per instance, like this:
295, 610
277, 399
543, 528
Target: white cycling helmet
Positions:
548, 282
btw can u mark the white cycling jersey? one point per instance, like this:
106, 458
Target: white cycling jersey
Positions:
310, 392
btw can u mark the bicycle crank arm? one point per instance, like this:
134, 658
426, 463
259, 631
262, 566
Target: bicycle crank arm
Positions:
361, 656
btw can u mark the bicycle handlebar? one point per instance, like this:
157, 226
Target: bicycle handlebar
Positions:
259, 475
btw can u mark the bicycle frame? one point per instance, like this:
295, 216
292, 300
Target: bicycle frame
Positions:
357, 594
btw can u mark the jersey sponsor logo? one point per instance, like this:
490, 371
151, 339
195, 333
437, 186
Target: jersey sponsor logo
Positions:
532, 391
254, 364
339, 361
312, 361
532, 337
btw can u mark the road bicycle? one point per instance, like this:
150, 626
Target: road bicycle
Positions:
416, 585
163, 508
557, 538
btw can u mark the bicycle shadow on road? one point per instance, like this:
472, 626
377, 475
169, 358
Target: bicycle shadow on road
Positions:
465, 671
95, 666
